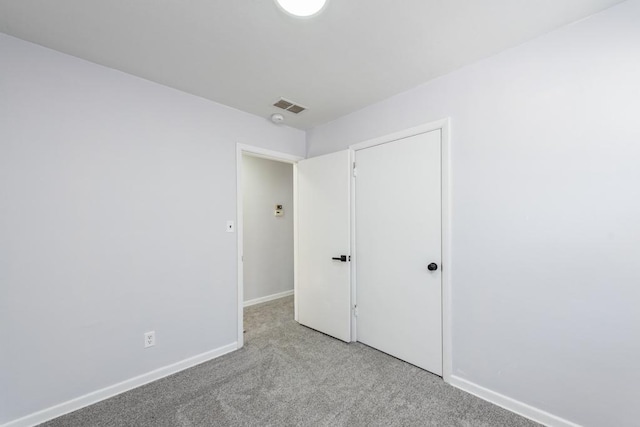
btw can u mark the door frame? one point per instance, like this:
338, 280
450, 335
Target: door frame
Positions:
277, 156
444, 126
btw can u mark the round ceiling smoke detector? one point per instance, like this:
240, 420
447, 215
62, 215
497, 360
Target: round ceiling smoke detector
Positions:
277, 118
302, 8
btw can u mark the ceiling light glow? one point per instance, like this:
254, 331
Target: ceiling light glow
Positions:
302, 7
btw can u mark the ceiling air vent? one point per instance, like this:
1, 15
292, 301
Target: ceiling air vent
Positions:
289, 106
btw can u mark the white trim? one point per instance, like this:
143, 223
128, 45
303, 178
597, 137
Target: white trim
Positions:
239, 244
268, 298
447, 265
406, 133
265, 154
351, 231
113, 390
353, 251
510, 404
295, 242
444, 126
268, 154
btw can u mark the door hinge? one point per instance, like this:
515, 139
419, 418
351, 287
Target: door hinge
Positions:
355, 171
355, 311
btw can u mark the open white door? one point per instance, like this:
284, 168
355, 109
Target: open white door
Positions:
324, 284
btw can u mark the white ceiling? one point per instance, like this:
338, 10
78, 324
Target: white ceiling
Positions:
247, 53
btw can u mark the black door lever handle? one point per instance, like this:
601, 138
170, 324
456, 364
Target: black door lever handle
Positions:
341, 258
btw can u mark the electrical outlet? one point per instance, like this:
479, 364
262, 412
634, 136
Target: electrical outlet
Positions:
149, 339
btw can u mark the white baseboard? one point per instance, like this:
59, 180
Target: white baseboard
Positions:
268, 298
520, 408
107, 392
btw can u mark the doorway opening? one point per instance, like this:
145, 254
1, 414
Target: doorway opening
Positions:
266, 227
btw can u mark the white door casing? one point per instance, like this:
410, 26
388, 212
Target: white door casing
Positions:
398, 229
323, 232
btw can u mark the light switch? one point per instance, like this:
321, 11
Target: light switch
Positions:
230, 226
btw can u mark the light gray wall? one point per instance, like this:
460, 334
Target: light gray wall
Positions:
267, 239
545, 216
114, 193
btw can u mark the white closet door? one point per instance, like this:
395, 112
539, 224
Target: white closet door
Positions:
398, 244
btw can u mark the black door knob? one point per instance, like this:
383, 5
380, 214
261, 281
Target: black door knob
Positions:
433, 266
342, 258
